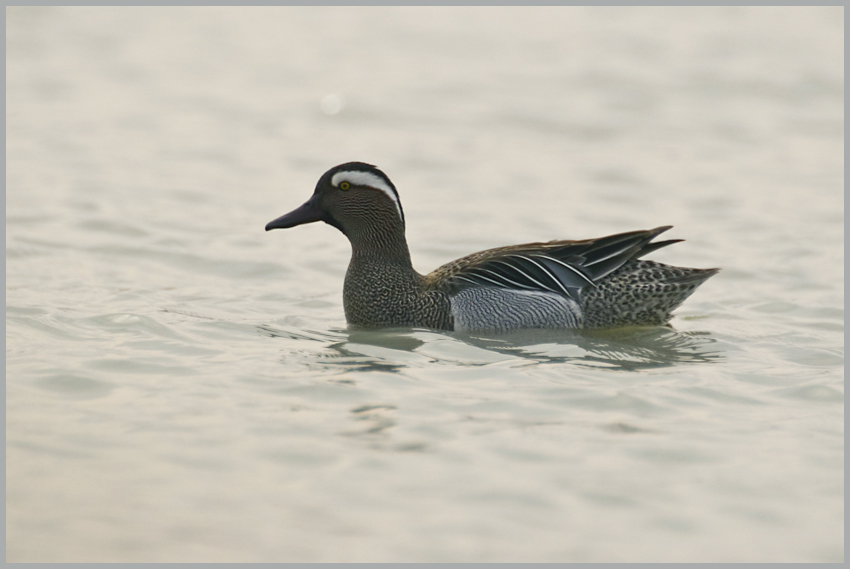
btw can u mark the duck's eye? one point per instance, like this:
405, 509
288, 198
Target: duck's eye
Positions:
344, 185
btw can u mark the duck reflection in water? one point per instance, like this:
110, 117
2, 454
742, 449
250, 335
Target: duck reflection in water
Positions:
627, 349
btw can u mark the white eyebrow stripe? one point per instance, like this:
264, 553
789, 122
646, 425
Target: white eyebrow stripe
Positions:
359, 178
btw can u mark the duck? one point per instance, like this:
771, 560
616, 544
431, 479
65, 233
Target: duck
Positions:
585, 284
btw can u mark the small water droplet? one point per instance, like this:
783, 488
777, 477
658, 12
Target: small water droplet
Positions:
332, 104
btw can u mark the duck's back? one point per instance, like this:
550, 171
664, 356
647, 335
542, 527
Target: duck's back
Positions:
566, 284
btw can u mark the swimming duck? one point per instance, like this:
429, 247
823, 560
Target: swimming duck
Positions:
594, 283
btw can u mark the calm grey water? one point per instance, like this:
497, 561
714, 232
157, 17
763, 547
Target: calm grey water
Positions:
182, 386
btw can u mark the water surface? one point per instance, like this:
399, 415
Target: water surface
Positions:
182, 386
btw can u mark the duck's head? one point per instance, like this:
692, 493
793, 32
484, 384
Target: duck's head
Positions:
353, 197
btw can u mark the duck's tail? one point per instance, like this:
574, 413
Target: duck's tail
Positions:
640, 293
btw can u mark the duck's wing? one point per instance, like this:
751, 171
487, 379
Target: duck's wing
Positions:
560, 267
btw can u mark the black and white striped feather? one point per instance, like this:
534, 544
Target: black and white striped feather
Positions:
559, 267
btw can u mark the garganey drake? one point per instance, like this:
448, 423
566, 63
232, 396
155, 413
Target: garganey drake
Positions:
594, 283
